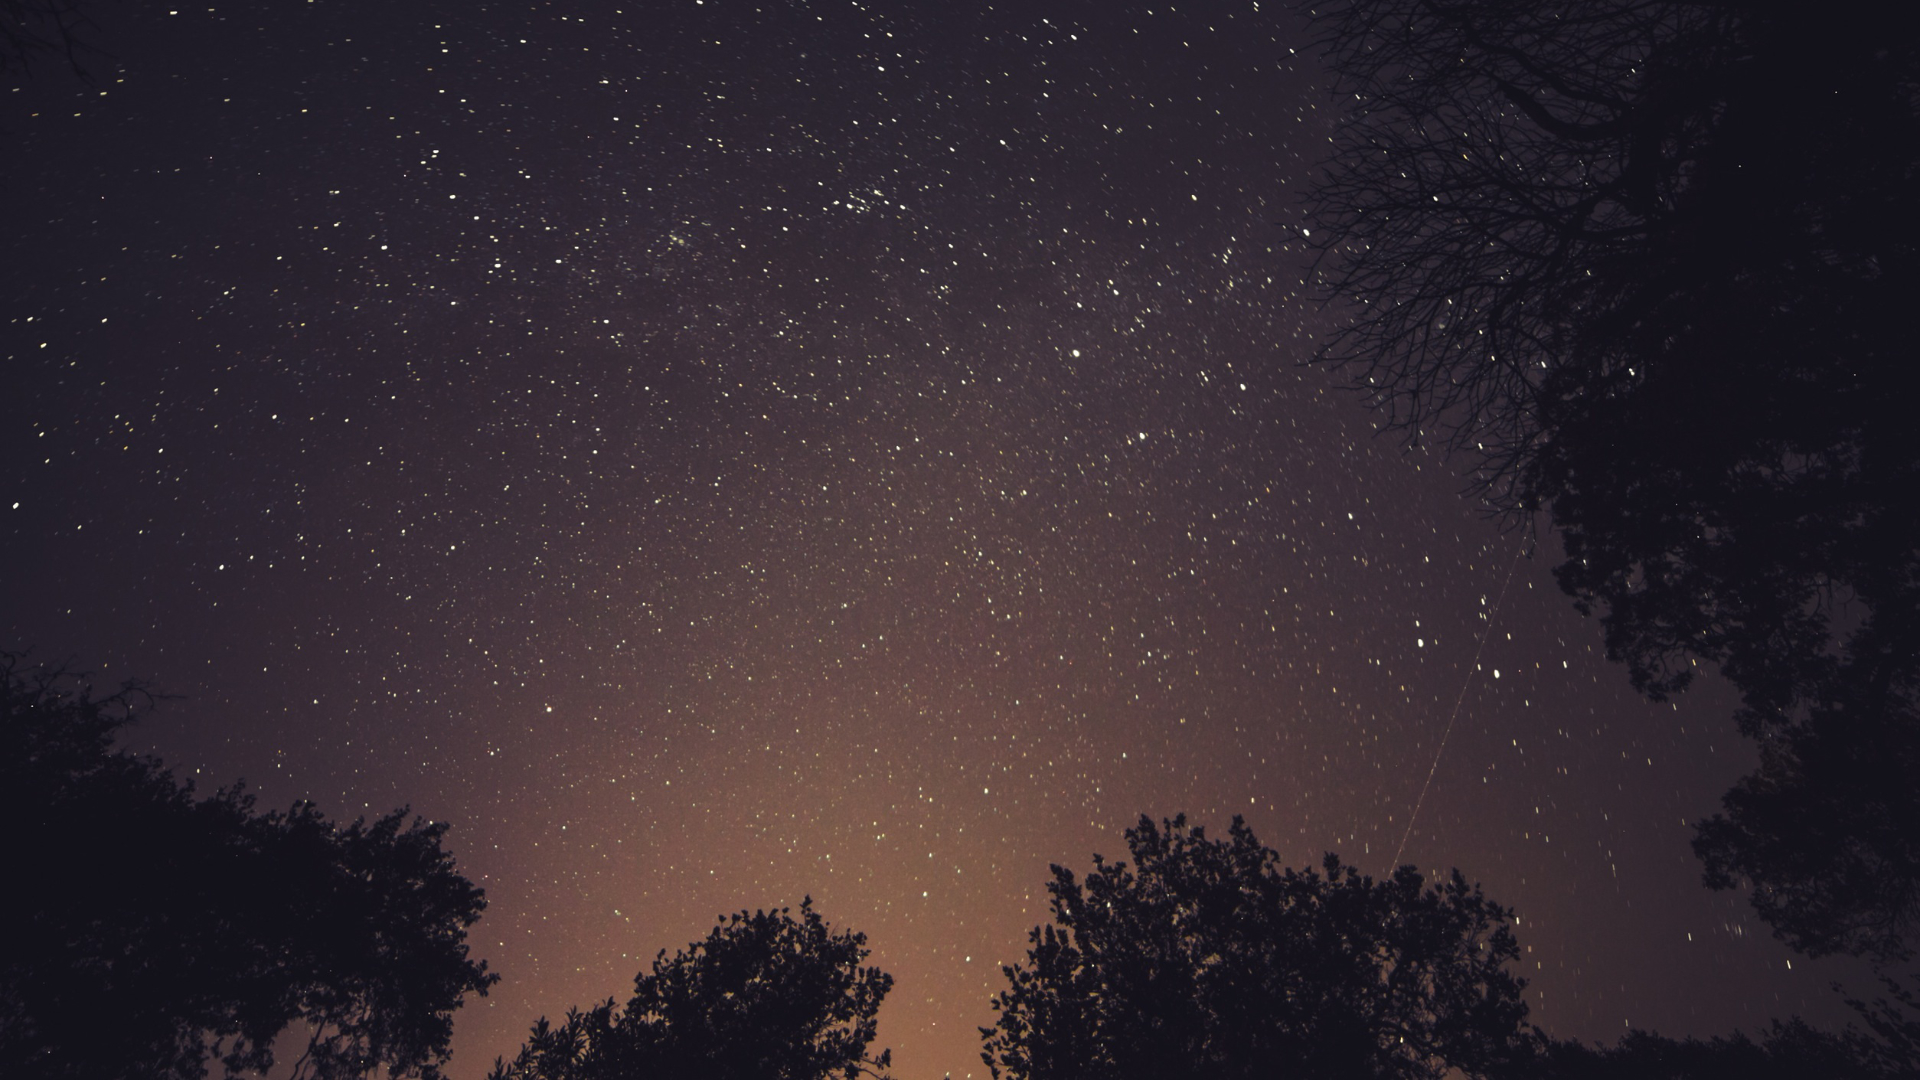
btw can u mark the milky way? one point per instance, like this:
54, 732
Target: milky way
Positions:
715, 454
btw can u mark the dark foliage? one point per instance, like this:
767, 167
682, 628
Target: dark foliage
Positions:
1789, 1052
151, 931
1828, 830
1206, 959
764, 997
1893, 1026
1652, 262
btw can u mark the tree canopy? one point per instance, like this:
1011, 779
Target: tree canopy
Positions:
1650, 263
765, 996
1204, 958
152, 931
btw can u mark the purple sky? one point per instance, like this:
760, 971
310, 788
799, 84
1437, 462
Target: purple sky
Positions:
714, 454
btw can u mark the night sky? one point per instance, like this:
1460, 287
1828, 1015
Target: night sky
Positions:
713, 454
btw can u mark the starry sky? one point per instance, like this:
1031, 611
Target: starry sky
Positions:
714, 452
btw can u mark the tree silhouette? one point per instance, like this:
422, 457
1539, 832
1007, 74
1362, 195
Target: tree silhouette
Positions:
32, 29
764, 997
1206, 959
151, 931
1789, 1051
1651, 263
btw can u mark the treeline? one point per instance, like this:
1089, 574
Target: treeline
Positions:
1196, 959
157, 934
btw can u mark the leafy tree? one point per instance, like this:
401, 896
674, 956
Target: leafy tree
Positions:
1650, 263
152, 931
764, 997
1206, 959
